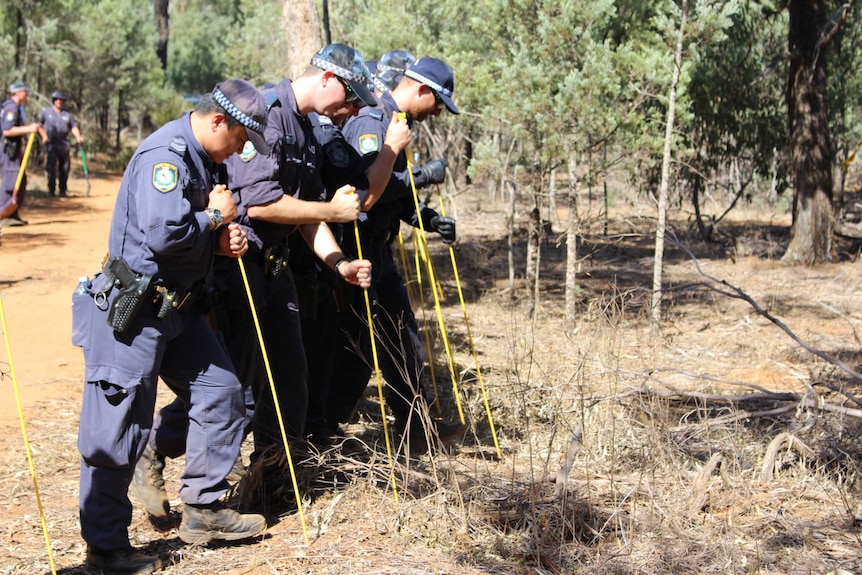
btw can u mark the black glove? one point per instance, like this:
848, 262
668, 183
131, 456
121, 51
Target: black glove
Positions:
433, 172
445, 227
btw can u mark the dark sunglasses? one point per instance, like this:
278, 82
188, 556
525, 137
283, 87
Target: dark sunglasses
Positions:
351, 96
438, 100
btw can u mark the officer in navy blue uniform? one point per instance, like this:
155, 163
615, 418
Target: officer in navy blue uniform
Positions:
58, 124
277, 194
139, 323
14, 127
342, 164
424, 91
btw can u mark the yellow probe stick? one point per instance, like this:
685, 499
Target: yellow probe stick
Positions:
377, 371
274, 399
470, 336
26, 441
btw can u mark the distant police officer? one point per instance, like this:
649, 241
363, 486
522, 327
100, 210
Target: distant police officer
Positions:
424, 91
140, 323
14, 126
58, 124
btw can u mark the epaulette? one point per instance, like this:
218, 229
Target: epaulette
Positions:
178, 145
271, 98
376, 114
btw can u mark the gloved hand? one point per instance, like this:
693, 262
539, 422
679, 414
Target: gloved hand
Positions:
433, 172
445, 227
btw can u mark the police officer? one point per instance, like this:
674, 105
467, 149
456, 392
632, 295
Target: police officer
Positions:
278, 194
424, 91
58, 123
14, 126
342, 164
140, 323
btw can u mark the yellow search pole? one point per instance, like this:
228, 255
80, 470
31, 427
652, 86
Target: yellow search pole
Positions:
470, 335
26, 441
274, 398
432, 280
377, 371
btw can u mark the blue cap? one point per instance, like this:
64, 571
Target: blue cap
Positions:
57, 95
391, 68
438, 76
18, 86
246, 105
347, 63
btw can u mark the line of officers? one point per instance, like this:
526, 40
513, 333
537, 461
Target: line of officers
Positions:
278, 177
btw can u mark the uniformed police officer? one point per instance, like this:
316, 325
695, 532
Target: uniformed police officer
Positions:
424, 91
14, 126
342, 164
58, 124
140, 322
277, 194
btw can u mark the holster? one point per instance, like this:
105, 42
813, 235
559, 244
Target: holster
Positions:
135, 289
275, 260
11, 147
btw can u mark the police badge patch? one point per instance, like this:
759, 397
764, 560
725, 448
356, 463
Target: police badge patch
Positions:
337, 154
368, 143
10, 117
248, 152
165, 177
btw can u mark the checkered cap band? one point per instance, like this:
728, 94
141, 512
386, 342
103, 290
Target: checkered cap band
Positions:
378, 85
430, 83
349, 75
241, 116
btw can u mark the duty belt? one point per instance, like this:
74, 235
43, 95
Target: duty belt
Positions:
136, 289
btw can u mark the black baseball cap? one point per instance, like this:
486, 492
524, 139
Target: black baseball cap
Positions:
391, 67
347, 63
58, 95
246, 105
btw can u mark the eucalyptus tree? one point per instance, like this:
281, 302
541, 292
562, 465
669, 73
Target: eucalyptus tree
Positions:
809, 36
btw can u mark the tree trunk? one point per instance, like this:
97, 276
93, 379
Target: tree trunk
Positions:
302, 26
665, 172
163, 25
813, 218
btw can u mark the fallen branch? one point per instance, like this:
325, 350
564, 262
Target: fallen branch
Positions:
737, 293
769, 460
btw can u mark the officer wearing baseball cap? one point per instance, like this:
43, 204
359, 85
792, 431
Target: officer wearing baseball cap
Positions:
139, 323
425, 89
58, 124
14, 126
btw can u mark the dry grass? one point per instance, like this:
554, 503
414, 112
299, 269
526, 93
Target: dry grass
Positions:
607, 466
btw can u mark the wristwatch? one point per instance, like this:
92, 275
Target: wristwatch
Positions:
216, 217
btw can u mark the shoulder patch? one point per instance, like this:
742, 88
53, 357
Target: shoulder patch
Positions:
10, 117
248, 152
368, 143
165, 176
337, 154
